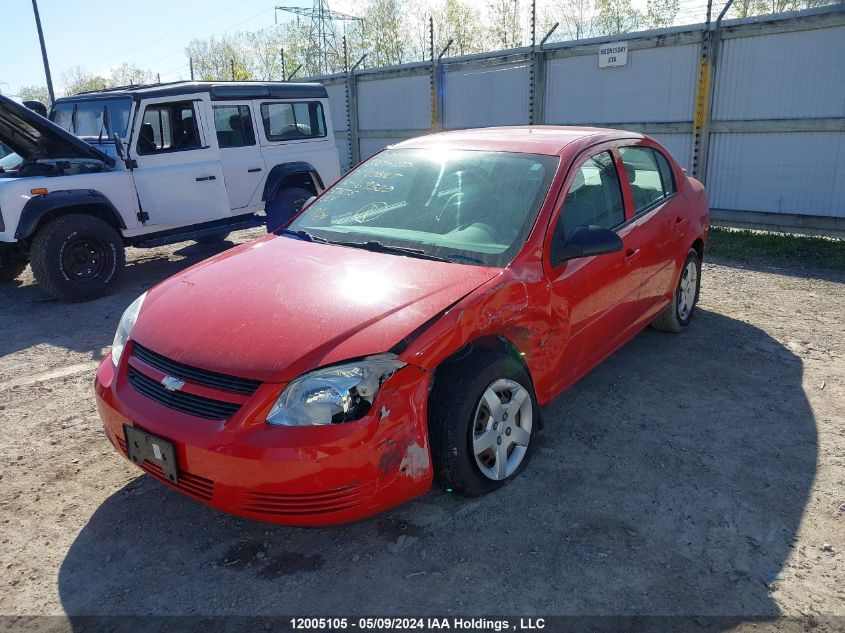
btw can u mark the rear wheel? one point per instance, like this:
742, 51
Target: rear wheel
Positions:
13, 262
678, 314
77, 257
482, 419
285, 205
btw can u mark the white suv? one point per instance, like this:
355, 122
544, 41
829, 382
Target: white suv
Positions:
146, 166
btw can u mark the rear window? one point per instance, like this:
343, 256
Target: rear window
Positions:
292, 121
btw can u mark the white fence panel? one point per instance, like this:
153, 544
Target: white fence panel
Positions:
679, 145
337, 105
658, 84
482, 97
396, 103
801, 173
782, 76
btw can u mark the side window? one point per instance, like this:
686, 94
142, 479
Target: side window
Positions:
291, 121
666, 176
594, 196
233, 125
650, 182
168, 127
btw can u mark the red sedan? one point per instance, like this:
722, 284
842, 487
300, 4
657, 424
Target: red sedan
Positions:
407, 324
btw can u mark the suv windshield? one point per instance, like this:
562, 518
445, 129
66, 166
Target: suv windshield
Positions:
465, 206
85, 118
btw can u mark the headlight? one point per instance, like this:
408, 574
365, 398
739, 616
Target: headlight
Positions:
124, 328
333, 395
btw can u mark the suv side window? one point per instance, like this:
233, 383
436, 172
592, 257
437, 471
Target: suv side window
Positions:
594, 196
168, 127
649, 174
233, 125
291, 121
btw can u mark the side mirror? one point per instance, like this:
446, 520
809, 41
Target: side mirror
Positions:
585, 241
118, 146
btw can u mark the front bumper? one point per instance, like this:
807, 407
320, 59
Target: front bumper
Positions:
289, 475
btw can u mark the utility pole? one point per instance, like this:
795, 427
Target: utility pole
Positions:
284, 72
191, 61
232, 63
43, 51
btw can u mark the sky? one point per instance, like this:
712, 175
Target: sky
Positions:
102, 34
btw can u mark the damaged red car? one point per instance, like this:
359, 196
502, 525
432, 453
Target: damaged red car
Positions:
407, 324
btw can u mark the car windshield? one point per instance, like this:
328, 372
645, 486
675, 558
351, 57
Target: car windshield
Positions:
466, 206
85, 118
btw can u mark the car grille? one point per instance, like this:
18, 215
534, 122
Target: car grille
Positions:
180, 401
193, 374
335, 500
193, 485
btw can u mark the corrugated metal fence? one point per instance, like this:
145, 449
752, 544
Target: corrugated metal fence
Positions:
755, 108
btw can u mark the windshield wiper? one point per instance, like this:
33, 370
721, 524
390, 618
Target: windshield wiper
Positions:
380, 247
305, 235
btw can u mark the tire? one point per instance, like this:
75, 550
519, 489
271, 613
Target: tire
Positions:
77, 257
213, 238
459, 424
284, 206
678, 314
13, 262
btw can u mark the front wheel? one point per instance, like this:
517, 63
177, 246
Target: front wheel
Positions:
77, 257
482, 420
678, 313
284, 206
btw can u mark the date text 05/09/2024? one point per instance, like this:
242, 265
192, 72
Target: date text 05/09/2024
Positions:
424, 624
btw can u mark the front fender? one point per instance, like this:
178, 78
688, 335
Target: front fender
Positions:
41, 208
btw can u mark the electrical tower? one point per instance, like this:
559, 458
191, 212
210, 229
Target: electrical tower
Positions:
322, 38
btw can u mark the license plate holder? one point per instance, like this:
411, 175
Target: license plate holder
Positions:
141, 446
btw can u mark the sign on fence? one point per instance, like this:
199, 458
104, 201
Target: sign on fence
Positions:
615, 54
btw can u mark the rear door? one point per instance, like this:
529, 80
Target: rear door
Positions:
648, 178
593, 298
243, 164
179, 175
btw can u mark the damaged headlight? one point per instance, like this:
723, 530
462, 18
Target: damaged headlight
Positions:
333, 395
127, 321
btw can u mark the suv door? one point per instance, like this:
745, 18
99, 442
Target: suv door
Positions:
291, 131
593, 299
179, 176
243, 163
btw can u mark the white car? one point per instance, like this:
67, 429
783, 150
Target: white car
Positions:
146, 166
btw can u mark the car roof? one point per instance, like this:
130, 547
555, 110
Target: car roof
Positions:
529, 139
218, 90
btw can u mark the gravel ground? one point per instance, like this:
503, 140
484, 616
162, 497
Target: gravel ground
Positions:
698, 474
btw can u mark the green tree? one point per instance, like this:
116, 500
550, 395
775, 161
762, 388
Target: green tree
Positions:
617, 16
78, 79
503, 16
129, 75
462, 23
39, 93
661, 13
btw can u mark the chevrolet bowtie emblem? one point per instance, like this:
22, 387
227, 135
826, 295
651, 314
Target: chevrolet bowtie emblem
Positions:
171, 383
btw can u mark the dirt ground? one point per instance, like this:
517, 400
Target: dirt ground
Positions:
694, 474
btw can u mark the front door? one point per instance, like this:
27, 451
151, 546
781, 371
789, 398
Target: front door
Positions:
243, 164
179, 176
593, 298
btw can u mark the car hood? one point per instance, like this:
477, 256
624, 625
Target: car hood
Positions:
278, 307
33, 137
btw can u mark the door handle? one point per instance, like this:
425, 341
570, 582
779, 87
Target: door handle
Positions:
201, 178
631, 254
253, 170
